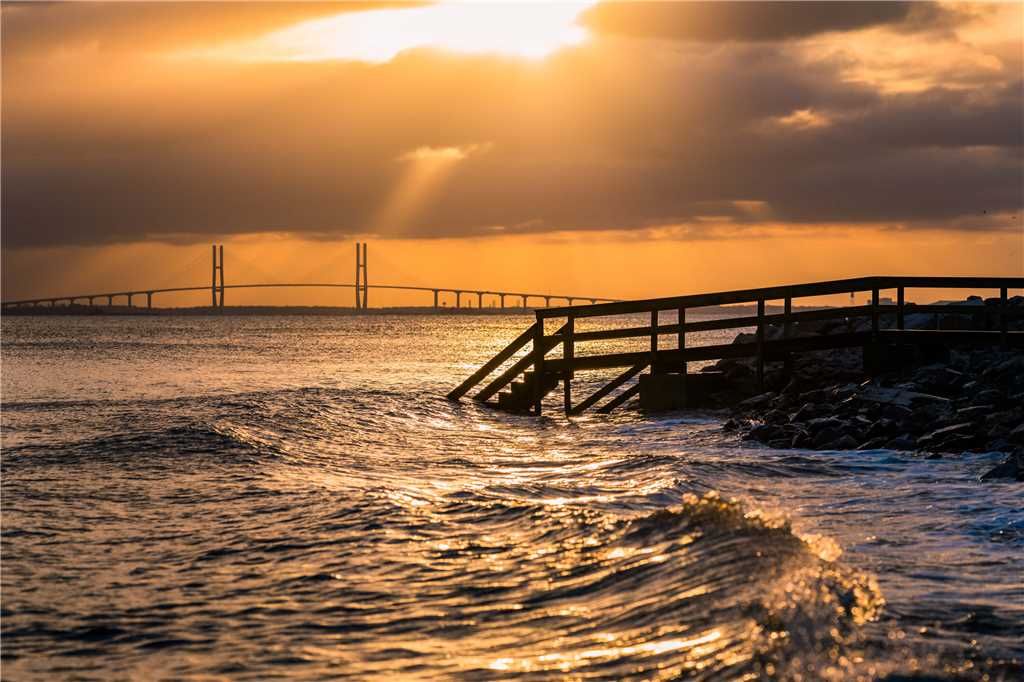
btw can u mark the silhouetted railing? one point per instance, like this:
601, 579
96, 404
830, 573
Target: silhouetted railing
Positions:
761, 349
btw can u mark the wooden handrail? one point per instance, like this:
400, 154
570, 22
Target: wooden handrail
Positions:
492, 364
840, 286
763, 348
520, 365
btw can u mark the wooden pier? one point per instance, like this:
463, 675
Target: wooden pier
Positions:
534, 375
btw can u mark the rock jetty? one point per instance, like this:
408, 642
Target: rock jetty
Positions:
940, 402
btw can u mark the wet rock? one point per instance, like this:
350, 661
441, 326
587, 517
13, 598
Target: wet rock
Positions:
801, 439
820, 423
826, 436
881, 428
989, 396
902, 442
974, 412
947, 436
1010, 469
764, 433
844, 442
897, 413
873, 443
1017, 435
775, 417
807, 412
757, 401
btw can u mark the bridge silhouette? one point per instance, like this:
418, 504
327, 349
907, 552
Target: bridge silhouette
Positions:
361, 287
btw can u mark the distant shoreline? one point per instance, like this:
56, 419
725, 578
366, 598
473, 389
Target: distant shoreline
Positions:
113, 311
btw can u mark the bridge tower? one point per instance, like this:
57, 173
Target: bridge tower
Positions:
362, 288
218, 267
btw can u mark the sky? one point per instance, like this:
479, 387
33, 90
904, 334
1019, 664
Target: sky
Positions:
593, 148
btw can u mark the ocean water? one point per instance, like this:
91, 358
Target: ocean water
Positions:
292, 497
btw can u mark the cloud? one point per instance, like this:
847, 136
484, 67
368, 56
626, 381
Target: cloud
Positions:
33, 29
610, 135
452, 153
714, 21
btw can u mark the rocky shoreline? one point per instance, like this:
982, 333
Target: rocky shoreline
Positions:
940, 403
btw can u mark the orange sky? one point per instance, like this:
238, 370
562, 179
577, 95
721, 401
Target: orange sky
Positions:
619, 150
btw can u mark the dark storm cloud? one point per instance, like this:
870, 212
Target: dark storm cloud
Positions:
752, 21
603, 137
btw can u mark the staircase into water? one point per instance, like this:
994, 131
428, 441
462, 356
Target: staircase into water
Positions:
525, 379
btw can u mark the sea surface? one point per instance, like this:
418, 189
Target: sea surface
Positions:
265, 497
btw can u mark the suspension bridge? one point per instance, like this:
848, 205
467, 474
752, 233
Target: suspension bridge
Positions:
361, 288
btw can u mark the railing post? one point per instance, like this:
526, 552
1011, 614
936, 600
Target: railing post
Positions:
1003, 317
681, 343
760, 344
538, 364
874, 314
899, 308
654, 341
787, 331
568, 351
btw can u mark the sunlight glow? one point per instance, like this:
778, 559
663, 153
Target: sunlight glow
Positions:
531, 30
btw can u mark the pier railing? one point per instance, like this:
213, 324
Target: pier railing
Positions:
662, 359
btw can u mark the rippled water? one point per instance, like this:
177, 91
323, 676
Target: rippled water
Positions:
251, 497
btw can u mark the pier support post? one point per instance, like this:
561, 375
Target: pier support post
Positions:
458, 299
110, 301
874, 314
435, 298
366, 281
899, 308
1003, 317
479, 299
547, 301
524, 302
502, 297
568, 352
130, 299
760, 344
654, 342
681, 340
149, 299
538, 365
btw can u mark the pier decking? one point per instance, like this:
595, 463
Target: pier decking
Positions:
532, 376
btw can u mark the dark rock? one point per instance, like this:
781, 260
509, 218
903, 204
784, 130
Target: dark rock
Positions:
881, 427
872, 444
975, 412
826, 435
807, 412
1010, 469
845, 442
903, 442
775, 417
801, 439
944, 436
763, 433
989, 396
730, 425
820, 423
757, 401
1017, 435
897, 413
